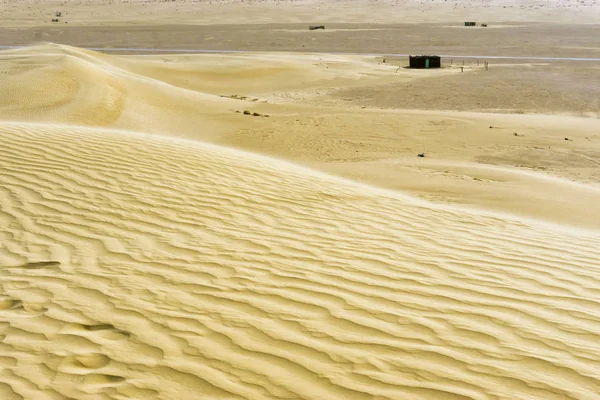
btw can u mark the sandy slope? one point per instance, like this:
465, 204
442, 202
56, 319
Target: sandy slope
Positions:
55, 83
137, 266
467, 163
141, 265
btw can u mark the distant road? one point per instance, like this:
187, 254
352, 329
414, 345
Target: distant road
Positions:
203, 51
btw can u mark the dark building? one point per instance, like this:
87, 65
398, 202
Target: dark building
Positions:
470, 23
425, 61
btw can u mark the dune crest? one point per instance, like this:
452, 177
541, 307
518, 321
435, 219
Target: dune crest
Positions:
135, 266
62, 84
204, 96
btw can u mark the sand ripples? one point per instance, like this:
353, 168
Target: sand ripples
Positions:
142, 267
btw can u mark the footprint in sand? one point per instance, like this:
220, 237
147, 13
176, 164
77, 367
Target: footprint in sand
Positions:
103, 331
17, 308
82, 364
10, 304
39, 265
92, 361
99, 382
85, 369
35, 265
107, 331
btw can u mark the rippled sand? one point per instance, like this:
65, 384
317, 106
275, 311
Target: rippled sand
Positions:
143, 266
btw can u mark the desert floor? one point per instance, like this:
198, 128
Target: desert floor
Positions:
158, 240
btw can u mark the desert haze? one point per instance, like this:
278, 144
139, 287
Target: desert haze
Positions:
259, 225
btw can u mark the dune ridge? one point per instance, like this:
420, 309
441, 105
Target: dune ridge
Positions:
62, 84
139, 266
202, 97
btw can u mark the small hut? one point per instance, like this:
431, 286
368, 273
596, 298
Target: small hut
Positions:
313, 27
470, 23
423, 61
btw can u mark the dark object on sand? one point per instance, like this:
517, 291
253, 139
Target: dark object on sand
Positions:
423, 61
54, 19
313, 27
484, 25
470, 23
421, 155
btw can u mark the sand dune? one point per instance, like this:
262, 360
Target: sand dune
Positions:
53, 83
136, 266
201, 97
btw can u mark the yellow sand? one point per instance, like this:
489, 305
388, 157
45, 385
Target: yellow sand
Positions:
537, 174
141, 265
194, 12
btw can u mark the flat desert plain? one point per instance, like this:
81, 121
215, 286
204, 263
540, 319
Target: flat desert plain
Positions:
178, 222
